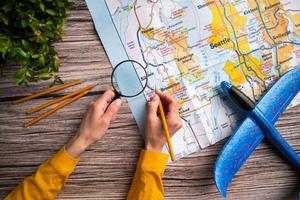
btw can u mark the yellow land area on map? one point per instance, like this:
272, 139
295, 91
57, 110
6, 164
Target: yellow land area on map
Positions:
228, 28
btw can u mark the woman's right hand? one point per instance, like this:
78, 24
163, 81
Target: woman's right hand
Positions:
94, 123
154, 135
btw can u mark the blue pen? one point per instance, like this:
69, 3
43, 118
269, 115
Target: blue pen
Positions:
247, 106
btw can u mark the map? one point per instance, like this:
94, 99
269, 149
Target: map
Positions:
189, 46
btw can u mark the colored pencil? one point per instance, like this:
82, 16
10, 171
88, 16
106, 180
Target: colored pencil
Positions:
49, 112
166, 130
47, 91
45, 105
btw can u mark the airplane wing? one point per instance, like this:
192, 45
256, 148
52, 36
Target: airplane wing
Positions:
248, 136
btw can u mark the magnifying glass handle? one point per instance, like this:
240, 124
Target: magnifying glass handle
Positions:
117, 96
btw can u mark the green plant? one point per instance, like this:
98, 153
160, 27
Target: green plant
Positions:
28, 29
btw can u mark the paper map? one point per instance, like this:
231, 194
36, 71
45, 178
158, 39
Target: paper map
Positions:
189, 47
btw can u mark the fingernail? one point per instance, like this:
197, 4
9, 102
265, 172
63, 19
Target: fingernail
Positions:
154, 98
157, 90
123, 99
118, 102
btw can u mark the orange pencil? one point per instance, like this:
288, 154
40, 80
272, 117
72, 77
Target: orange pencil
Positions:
47, 92
49, 112
166, 130
45, 105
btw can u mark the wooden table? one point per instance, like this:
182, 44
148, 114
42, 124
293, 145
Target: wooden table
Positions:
106, 169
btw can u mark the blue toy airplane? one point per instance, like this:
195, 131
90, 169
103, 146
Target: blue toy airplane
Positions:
259, 124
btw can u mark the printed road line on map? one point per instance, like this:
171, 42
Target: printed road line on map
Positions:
238, 52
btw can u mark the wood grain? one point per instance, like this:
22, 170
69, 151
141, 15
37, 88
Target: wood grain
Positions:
106, 169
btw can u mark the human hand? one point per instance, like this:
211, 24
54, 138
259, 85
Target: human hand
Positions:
94, 123
154, 137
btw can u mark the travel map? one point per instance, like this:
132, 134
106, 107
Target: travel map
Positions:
189, 46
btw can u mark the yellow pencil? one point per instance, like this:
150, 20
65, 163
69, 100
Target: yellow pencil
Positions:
49, 112
166, 130
61, 87
45, 105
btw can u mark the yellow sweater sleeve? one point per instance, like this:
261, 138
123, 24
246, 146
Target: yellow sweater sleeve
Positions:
48, 180
147, 181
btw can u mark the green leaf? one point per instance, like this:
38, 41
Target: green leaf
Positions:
24, 23
28, 30
25, 44
20, 73
35, 56
56, 63
20, 81
7, 7
4, 19
57, 81
22, 53
50, 12
29, 74
45, 76
5, 44
42, 60
42, 6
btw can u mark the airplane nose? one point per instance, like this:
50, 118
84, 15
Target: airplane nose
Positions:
225, 86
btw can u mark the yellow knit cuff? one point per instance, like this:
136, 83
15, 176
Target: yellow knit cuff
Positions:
151, 161
63, 162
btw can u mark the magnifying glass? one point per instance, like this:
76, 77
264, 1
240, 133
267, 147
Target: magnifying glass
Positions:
129, 79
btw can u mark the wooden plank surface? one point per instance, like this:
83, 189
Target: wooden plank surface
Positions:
106, 169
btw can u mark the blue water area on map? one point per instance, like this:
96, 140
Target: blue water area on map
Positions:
128, 79
116, 53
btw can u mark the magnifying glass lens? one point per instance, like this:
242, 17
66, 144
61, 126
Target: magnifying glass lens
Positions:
129, 78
